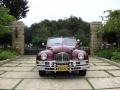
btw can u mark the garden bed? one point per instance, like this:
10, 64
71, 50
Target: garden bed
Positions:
112, 54
7, 54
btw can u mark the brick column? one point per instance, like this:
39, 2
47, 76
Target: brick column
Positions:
18, 36
96, 38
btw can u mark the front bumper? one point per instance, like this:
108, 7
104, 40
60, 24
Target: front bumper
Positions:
72, 65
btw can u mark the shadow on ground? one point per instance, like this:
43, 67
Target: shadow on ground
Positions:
62, 75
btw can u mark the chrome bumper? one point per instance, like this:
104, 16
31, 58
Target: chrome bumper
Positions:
73, 65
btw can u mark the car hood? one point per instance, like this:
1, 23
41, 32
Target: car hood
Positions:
63, 48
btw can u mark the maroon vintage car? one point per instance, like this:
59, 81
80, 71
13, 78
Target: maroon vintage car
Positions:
62, 54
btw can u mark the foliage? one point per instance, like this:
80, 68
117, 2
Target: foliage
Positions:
18, 8
27, 35
72, 26
105, 53
113, 24
5, 21
110, 37
6, 39
62, 32
83, 36
41, 36
5, 54
113, 54
116, 56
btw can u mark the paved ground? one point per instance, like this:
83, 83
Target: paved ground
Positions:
21, 74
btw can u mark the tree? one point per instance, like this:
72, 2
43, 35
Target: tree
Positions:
5, 21
63, 32
113, 24
41, 36
28, 35
83, 37
18, 8
72, 26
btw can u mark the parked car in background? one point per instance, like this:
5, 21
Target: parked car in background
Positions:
62, 54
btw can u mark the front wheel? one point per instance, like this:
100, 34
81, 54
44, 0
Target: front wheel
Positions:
42, 73
82, 72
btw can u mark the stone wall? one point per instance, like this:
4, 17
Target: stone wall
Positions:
96, 39
18, 36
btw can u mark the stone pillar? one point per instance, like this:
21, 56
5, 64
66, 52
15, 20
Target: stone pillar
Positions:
96, 38
18, 36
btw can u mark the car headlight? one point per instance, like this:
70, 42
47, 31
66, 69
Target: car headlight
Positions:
43, 56
80, 56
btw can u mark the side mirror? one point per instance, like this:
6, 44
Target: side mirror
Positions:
43, 45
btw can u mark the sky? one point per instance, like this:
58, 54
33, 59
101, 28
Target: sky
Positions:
88, 10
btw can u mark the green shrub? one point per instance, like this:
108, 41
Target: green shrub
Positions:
5, 54
113, 54
116, 56
104, 53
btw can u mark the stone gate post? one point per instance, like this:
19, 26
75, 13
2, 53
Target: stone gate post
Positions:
96, 39
18, 36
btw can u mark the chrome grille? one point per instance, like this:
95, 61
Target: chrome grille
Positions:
61, 57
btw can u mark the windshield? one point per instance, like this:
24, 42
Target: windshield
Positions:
61, 41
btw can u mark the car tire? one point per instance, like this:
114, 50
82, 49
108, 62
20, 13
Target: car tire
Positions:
82, 72
42, 73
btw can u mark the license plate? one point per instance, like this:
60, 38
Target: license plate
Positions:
62, 68
42, 63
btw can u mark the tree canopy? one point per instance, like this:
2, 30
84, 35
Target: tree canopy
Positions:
113, 24
72, 26
5, 21
18, 8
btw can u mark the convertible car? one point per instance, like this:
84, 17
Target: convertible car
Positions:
62, 54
